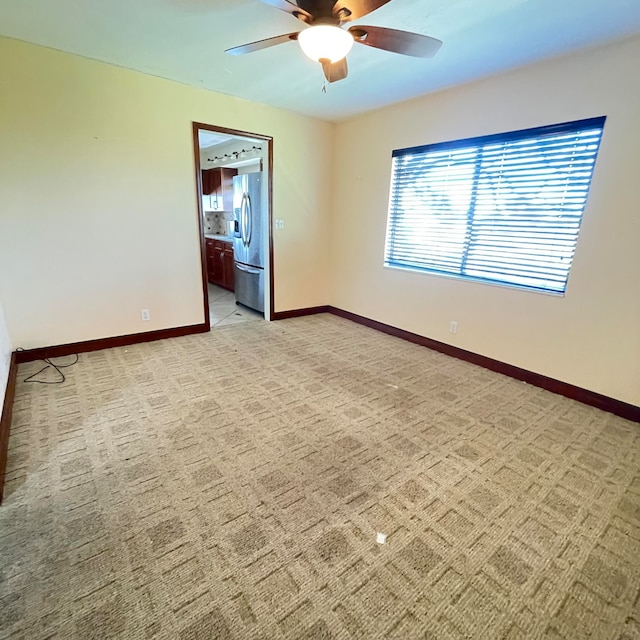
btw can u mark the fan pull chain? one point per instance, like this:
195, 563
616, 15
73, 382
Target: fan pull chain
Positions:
324, 87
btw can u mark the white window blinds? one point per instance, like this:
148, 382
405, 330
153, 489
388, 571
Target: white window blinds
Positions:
504, 208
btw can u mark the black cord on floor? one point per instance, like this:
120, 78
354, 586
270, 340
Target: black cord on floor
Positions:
49, 364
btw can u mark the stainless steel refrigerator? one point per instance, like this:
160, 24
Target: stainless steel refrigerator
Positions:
248, 249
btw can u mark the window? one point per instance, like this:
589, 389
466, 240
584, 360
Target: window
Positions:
504, 208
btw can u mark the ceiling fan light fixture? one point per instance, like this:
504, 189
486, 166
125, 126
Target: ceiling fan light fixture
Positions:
325, 42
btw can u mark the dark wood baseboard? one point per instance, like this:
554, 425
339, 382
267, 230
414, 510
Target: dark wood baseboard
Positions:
28, 355
5, 419
593, 399
297, 313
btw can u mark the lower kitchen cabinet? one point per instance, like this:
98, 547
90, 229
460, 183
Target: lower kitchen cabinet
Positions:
227, 267
220, 263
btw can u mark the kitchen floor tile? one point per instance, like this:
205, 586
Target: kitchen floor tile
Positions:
218, 293
224, 311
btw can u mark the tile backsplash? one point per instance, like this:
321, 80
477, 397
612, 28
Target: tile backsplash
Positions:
218, 222
215, 223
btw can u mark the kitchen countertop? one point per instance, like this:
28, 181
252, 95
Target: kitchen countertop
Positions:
217, 236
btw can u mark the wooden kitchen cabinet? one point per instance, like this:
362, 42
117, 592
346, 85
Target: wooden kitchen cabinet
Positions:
210, 181
220, 263
211, 267
227, 267
217, 189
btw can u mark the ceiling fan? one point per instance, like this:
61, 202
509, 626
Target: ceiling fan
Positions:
325, 41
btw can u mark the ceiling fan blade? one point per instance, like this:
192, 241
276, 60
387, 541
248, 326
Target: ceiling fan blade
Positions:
250, 47
404, 42
292, 8
334, 71
346, 10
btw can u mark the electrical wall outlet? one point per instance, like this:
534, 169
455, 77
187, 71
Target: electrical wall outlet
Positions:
453, 327
279, 223
146, 315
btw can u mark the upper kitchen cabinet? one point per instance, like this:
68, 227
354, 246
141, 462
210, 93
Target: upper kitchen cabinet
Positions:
217, 189
210, 181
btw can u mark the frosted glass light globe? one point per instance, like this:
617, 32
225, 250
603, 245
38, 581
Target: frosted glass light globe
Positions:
325, 42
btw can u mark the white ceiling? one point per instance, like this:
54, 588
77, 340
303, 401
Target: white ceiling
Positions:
208, 139
185, 40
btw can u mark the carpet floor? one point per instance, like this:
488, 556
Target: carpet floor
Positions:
231, 485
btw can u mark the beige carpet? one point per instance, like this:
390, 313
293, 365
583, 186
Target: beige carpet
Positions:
231, 486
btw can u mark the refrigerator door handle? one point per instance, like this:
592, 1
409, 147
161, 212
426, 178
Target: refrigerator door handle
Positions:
242, 221
247, 269
246, 220
249, 219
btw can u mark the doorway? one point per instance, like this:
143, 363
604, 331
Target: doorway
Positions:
233, 172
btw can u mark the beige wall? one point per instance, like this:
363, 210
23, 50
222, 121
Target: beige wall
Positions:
591, 336
98, 213
5, 356
91, 231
